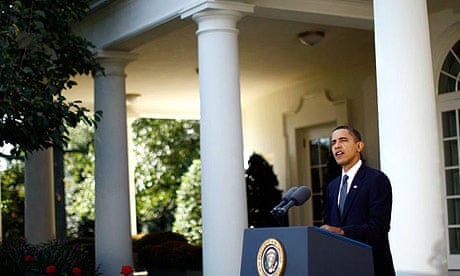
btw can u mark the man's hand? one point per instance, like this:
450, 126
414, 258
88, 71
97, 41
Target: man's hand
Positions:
333, 229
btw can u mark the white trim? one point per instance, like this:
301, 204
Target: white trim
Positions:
215, 5
446, 102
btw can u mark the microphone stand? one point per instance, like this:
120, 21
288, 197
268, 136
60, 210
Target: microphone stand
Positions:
279, 216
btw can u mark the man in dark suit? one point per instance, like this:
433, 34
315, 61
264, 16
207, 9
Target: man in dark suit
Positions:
362, 209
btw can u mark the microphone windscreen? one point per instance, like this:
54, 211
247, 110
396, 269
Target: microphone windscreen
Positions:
301, 195
288, 194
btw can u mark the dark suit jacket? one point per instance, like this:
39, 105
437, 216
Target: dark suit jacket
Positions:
367, 214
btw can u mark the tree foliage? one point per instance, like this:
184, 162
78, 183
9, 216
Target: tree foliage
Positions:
12, 201
80, 182
262, 194
39, 55
188, 212
79, 185
164, 150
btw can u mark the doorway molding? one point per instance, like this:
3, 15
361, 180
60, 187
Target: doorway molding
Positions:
313, 109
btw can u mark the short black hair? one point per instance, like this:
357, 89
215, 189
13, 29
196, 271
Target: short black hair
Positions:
353, 131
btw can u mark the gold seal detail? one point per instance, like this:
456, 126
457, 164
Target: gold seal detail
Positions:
270, 258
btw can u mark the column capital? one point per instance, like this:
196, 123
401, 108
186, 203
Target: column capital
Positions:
114, 62
208, 5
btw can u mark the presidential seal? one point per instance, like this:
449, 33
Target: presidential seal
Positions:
270, 258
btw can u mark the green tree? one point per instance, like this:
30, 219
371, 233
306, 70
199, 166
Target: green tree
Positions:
39, 55
79, 181
164, 150
12, 201
79, 186
188, 212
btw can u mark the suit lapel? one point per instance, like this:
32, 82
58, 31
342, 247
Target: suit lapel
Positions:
354, 190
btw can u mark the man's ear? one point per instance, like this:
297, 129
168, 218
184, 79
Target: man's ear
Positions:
360, 146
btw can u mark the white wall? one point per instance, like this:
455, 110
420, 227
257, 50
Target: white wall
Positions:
263, 118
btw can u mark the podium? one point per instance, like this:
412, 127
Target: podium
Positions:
303, 251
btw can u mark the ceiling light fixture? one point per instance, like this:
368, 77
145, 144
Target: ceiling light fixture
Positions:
132, 97
311, 37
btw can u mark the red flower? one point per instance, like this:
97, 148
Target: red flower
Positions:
50, 270
126, 270
28, 258
76, 271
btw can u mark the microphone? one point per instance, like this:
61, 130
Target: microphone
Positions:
298, 197
286, 197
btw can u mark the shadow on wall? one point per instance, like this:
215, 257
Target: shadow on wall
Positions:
437, 259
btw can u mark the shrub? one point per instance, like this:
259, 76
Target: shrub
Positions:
167, 250
17, 257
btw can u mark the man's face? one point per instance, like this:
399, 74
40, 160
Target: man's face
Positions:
345, 148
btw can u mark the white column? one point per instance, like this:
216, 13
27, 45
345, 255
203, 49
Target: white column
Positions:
39, 197
409, 140
131, 170
224, 213
113, 233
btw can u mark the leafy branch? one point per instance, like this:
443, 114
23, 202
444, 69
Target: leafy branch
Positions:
39, 57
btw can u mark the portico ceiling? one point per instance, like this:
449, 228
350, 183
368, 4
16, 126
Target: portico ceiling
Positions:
271, 57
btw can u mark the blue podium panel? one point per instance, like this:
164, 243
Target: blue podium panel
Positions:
303, 251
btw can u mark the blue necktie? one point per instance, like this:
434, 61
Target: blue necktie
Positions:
343, 193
